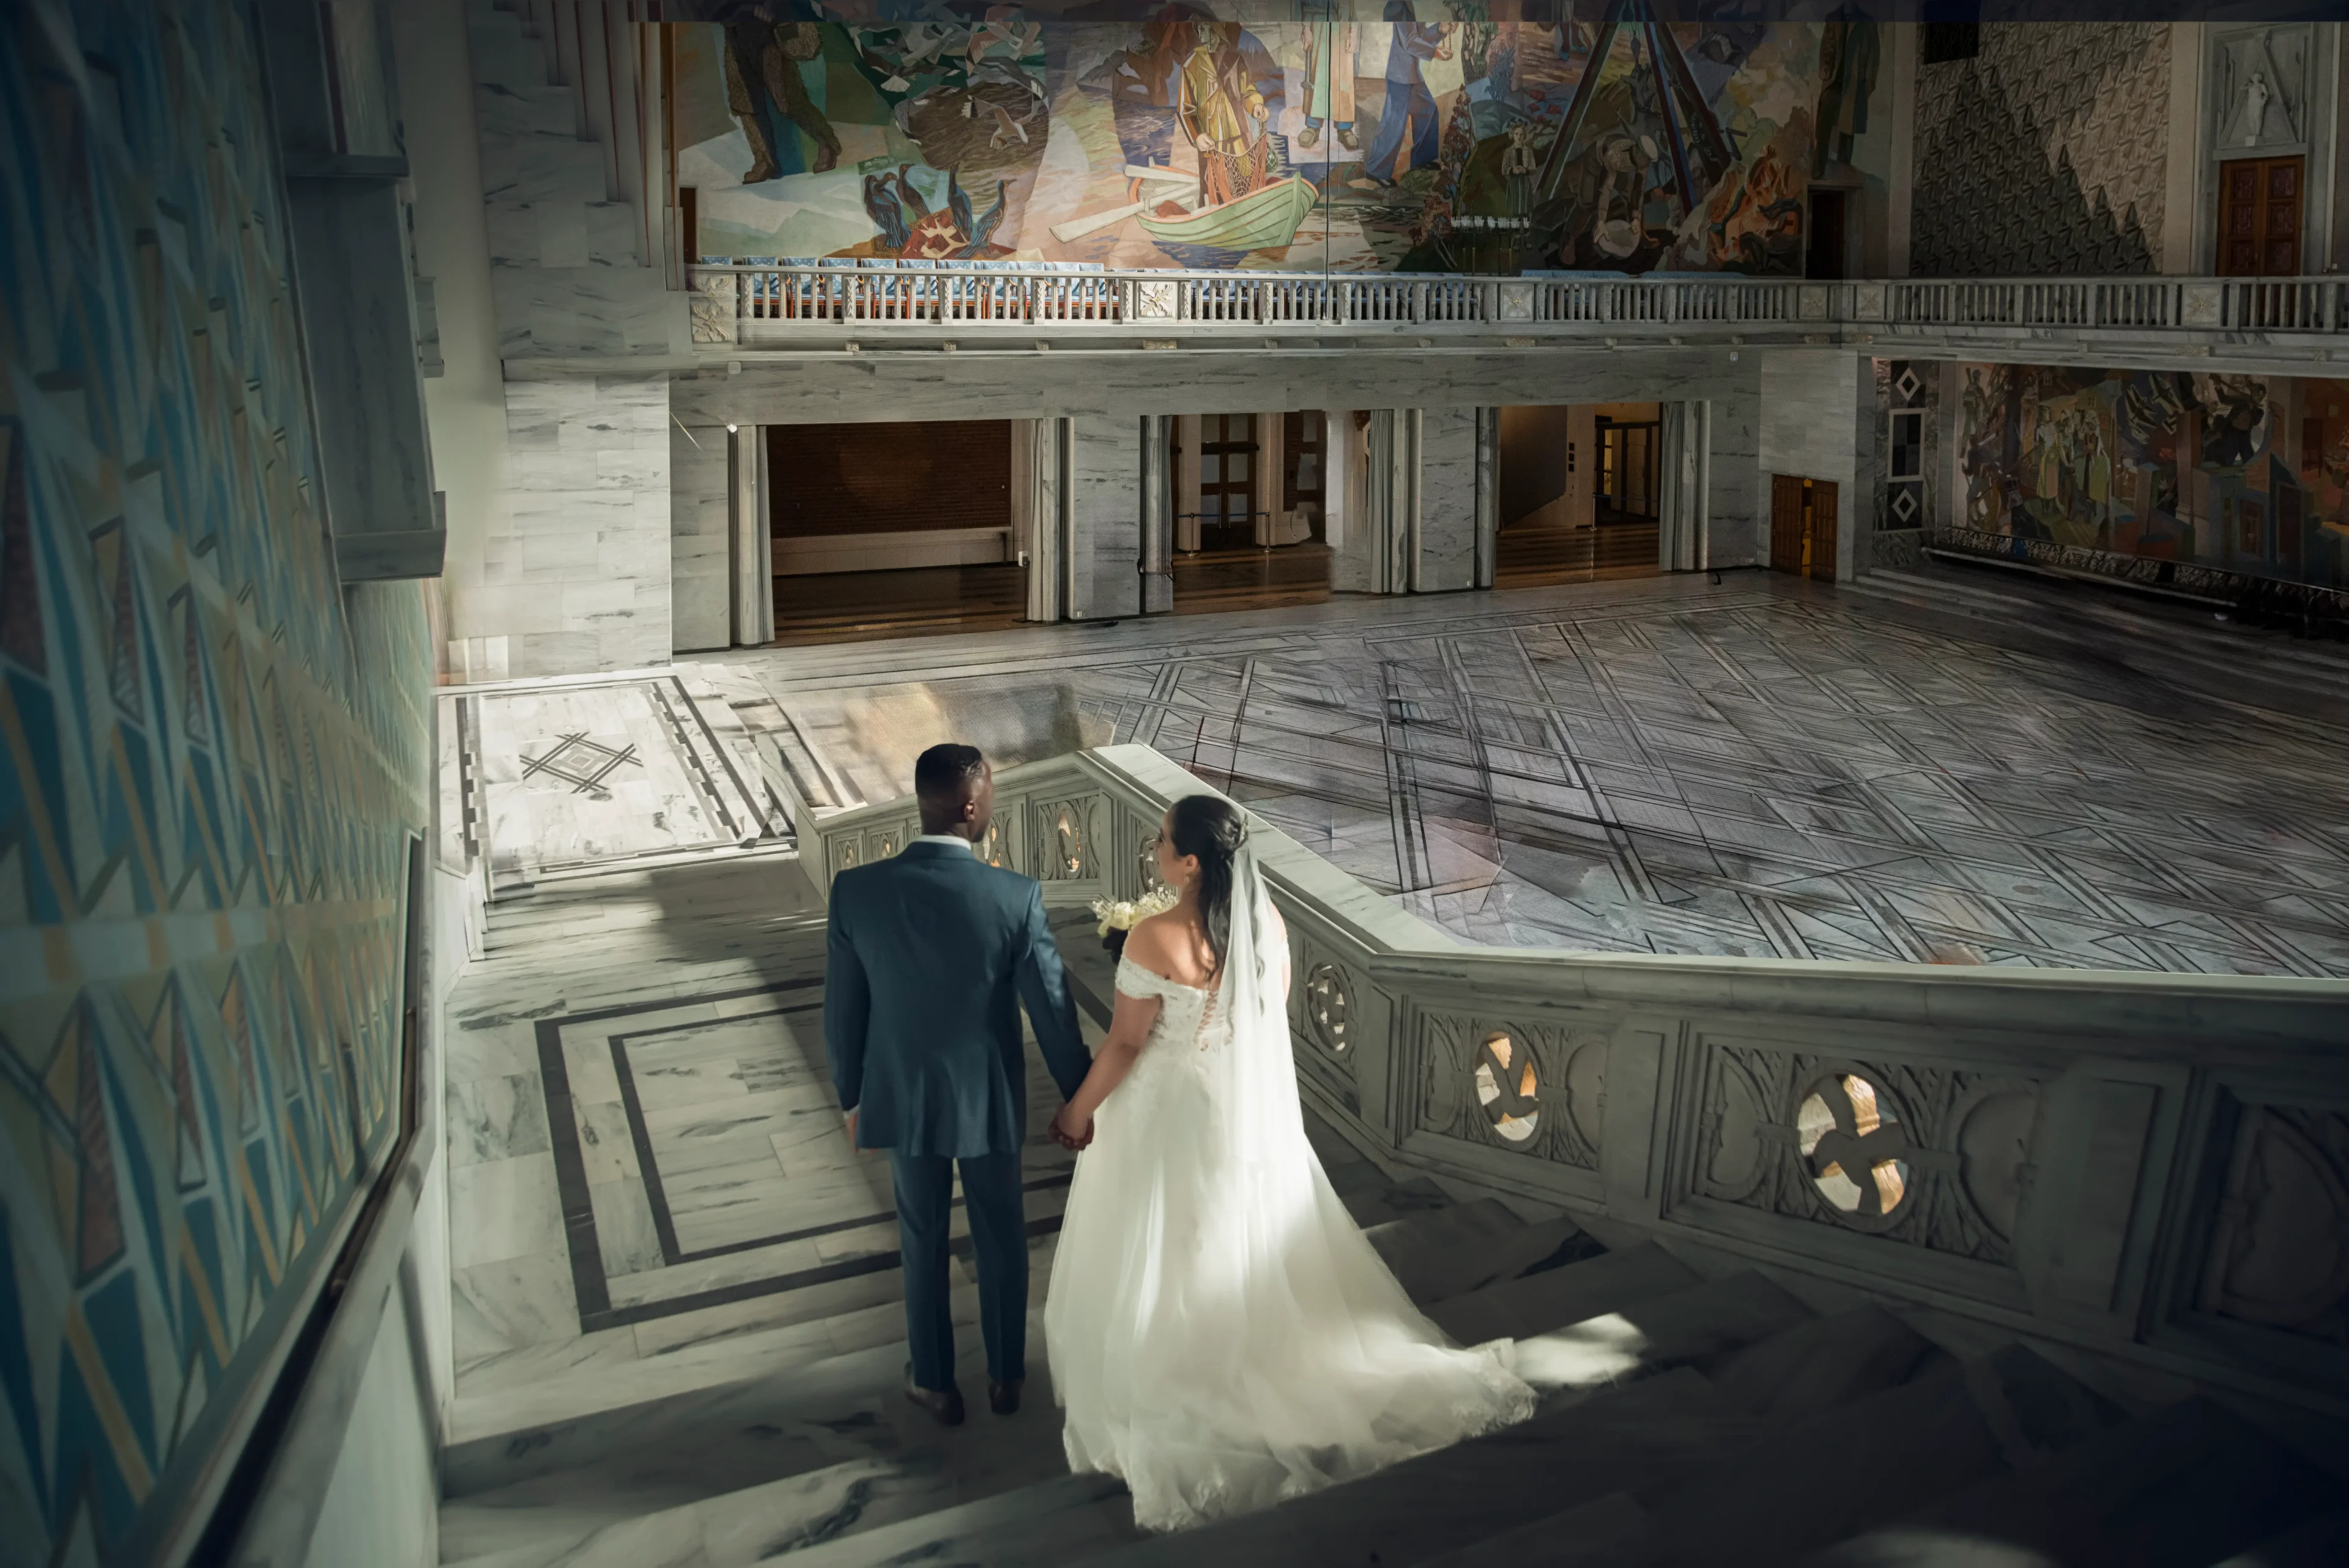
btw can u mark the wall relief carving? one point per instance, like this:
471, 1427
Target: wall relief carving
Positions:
2279, 1246
2259, 90
1938, 1158
1536, 1089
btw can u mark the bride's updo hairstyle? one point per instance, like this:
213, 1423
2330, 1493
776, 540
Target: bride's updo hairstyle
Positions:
1212, 828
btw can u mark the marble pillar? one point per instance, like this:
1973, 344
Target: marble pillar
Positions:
1157, 572
1105, 509
1446, 496
1488, 496
1686, 472
1041, 477
701, 559
752, 536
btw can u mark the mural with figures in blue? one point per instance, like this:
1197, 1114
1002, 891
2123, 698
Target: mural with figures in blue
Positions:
214, 757
1339, 135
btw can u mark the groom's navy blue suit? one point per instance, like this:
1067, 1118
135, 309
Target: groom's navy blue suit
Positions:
932, 953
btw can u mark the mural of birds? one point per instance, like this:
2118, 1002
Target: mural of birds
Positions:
1008, 129
888, 217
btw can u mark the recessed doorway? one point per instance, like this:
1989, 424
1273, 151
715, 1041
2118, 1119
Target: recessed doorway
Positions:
1251, 496
891, 530
1579, 487
1803, 527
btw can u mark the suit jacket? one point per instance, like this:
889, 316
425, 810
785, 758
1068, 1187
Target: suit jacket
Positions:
932, 953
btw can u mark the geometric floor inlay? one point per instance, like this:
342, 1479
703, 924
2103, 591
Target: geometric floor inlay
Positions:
1666, 768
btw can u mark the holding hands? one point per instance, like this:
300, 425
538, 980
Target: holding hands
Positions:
1071, 1131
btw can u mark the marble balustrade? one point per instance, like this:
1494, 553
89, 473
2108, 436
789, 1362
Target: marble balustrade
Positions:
2120, 1161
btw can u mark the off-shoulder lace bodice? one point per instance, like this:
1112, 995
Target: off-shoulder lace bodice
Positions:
1185, 1013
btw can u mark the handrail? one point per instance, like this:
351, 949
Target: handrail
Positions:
745, 302
2079, 1155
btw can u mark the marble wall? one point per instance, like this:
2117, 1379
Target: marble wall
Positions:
576, 576
1447, 501
700, 538
1818, 416
1106, 516
568, 265
217, 757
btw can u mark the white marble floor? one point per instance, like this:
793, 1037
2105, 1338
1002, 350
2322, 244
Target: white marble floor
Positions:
1761, 767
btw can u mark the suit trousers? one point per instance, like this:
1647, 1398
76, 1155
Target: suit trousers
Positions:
999, 1235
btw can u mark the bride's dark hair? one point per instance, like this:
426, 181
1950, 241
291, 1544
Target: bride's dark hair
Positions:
1212, 828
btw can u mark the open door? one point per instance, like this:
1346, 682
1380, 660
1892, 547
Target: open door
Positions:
1803, 527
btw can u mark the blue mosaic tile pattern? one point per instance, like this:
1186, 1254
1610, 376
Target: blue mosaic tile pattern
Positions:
212, 756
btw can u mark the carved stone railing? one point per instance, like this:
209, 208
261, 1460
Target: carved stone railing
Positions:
2154, 1165
782, 303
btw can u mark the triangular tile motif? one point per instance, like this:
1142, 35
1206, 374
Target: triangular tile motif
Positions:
166, 602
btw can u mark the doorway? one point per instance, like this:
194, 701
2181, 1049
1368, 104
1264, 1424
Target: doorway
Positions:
1803, 527
1823, 259
1251, 497
1578, 492
893, 530
2259, 217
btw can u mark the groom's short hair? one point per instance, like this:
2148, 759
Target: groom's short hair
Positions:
943, 772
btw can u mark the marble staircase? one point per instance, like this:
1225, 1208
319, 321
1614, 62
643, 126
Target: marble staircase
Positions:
1690, 1419
1696, 1408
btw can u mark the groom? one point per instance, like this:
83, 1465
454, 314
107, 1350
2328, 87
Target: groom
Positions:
932, 954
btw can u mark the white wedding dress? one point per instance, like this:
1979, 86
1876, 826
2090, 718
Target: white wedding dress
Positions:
1222, 1335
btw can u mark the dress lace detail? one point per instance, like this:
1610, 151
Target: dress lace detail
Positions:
1222, 1335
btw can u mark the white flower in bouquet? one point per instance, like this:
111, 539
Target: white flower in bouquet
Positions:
1124, 914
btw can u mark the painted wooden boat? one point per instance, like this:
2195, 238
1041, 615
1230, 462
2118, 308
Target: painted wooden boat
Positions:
1264, 219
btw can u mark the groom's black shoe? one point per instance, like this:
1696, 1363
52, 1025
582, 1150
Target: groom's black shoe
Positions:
946, 1406
1003, 1398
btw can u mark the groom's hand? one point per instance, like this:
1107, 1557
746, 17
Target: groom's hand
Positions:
851, 1129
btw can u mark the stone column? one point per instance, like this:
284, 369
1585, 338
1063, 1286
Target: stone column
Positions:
1104, 508
1047, 521
1686, 483
752, 533
1157, 565
1445, 497
1186, 484
1488, 496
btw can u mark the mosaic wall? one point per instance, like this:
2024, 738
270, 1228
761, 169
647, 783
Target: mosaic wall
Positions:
2246, 474
1424, 137
2048, 152
214, 755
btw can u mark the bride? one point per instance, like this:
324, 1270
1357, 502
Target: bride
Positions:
1222, 1335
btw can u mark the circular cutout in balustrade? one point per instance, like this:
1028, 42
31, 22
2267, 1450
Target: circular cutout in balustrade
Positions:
1328, 1007
1508, 1086
1854, 1146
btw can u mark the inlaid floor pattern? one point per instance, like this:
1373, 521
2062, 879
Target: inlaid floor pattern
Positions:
609, 1416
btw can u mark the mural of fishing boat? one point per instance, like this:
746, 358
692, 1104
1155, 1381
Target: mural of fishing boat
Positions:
1264, 219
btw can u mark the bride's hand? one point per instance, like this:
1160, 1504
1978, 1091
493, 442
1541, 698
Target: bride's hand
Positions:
1069, 1135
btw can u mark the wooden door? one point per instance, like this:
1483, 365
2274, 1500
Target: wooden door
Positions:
2259, 217
1785, 523
1822, 552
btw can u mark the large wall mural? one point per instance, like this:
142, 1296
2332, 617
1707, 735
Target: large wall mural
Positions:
213, 757
2247, 474
1412, 135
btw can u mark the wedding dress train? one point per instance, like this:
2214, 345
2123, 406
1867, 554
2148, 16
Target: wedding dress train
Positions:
1222, 1335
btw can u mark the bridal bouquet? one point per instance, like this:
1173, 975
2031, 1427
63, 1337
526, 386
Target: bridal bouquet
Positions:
1120, 916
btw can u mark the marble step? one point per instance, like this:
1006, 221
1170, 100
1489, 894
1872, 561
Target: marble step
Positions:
910, 1469
1809, 1482
1806, 1484
2322, 1543
1448, 1266
1068, 1519
2184, 1487
1410, 1512
1640, 1338
1823, 1364
1481, 1218
1586, 1290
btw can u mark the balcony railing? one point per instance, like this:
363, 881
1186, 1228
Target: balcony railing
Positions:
781, 302
2123, 1160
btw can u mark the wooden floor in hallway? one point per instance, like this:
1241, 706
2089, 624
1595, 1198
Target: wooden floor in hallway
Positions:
1538, 557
